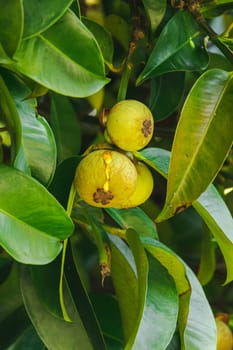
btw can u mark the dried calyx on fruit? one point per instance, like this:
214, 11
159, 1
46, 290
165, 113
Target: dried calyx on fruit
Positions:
110, 179
130, 125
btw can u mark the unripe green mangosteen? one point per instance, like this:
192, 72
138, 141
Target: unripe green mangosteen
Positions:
144, 186
105, 178
130, 125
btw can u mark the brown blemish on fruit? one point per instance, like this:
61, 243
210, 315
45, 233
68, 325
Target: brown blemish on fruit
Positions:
147, 127
102, 196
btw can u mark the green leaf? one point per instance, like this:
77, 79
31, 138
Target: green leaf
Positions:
103, 38
210, 206
11, 25
28, 340
63, 178
210, 8
10, 296
18, 321
65, 126
200, 329
10, 116
4, 58
208, 260
119, 29
186, 53
214, 211
31, 232
61, 58
25, 243
164, 99
45, 280
202, 140
39, 15
148, 301
82, 301
161, 308
196, 321
38, 148
155, 10
54, 332
123, 273
40, 209
107, 311
136, 219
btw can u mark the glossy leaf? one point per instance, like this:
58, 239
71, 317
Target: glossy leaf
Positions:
10, 116
37, 143
55, 333
119, 29
19, 321
207, 264
186, 53
107, 311
65, 126
212, 8
25, 243
149, 301
171, 261
39, 15
82, 301
155, 10
46, 280
63, 178
161, 309
196, 321
200, 330
136, 219
37, 203
26, 238
164, 99
11, 25
28, 340
10, 296
103, 38
209, 205
123, 273
202, 140
61, 58
4, 58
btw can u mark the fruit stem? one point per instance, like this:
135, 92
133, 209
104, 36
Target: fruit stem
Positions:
97, 233
61, 295
124, 83
214, 37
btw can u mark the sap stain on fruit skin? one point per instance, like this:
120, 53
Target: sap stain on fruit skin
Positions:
105, 178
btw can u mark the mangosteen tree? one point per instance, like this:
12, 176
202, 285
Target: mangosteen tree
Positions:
116, 174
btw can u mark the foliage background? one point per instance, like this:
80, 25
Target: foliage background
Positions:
61, 63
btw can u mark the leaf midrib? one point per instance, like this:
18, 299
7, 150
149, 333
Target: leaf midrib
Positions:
193, 160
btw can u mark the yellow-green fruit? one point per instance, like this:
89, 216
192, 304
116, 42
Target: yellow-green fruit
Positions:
144, 187
130, 125
104, 178
224, 336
